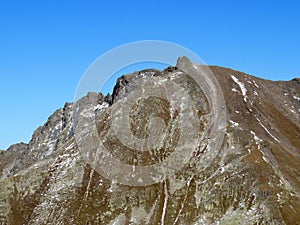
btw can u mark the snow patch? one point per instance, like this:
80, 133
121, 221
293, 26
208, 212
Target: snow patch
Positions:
90, 112
242, 87
255, 137
257, 140
297, 98
146, 74
175, 75
265, 159
234, 124
255, 84
260, 123
102, 106
234, 90
165, 204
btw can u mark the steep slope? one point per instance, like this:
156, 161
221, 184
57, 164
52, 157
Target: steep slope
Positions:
251, 178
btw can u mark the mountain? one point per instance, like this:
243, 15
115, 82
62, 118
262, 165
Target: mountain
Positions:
238, 160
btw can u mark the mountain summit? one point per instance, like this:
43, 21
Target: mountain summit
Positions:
215, 146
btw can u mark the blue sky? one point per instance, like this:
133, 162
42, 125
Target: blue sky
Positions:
45, 46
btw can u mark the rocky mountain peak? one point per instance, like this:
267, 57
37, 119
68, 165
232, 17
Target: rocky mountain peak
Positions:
18, 147
242, 167
182, 62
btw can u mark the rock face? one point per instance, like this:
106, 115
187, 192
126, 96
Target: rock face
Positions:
252, 177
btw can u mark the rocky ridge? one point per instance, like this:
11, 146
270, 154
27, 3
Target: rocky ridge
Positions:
254, 179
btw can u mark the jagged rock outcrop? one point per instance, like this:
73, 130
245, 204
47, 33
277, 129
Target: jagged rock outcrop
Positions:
253, 177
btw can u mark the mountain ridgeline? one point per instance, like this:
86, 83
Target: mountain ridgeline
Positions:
251, 177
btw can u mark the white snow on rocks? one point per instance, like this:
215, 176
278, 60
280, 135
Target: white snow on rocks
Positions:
102, 106
260, 123
257, 140
255, 137
234, 90
51, 145
175, 75
242, 87
265, 159
234, 124
165, 205
87, 113
255, 84
90, 112
297, 98
146, 74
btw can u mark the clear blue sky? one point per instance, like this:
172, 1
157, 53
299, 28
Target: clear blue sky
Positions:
45, 46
